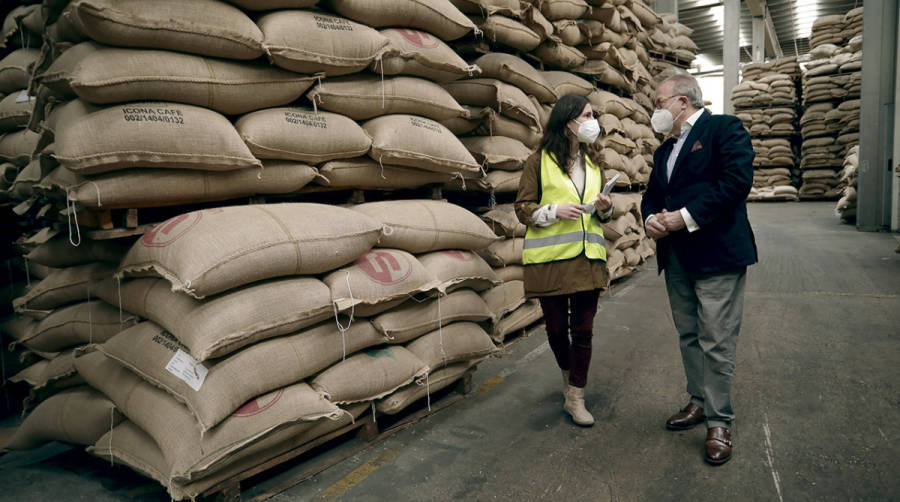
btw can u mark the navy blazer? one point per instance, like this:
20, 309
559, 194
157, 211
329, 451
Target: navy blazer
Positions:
712, 176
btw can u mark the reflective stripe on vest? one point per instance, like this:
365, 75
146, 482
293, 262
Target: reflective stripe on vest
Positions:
567, 238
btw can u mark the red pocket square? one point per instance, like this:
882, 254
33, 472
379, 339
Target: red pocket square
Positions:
697, 146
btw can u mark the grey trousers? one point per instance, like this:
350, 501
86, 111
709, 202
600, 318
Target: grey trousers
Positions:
707, 310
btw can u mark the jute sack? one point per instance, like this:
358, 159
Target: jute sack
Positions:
498, 152
434, 16
369, 375
303, 135
505, 298
105, 75
67, 285
312, 42
93, 140
555, 10
510, 33
414, 52
515, 71
504, 253
362, 97
226, 384
17, 327
607, 102
504, 181
503, 220
175, 430
15, 69
526, 315
172, 187
365, 173
460, 341
563, 82
49, 376
510, 8
213, 250
77, 416
408, 140
419, 226
22, 187
508, 100
498, 125
411, 393
511, 273
413, 319
55, 184
560, 56
206, 27
468, 122
58, 252
15, 110
220, 325
569, 32
533, 19
18, 147
379, 280
86, 322
459, 269
273, 4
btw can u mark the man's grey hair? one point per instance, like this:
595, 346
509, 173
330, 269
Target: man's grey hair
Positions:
686, 85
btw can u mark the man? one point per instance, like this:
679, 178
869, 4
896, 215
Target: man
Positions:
695, 209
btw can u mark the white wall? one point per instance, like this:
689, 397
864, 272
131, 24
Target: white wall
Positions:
711, 86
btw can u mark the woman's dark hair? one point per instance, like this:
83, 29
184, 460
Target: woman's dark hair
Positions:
555, 140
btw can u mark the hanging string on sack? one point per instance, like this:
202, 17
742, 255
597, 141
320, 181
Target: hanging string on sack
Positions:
341, 328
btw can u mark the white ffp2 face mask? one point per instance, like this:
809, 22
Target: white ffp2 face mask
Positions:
588, 131
663, 121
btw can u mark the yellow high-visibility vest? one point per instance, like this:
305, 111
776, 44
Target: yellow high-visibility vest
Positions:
566, 239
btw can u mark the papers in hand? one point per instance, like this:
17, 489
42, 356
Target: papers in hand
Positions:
607, 188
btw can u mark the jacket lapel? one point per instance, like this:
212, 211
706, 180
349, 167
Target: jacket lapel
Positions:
686, 147
660, 170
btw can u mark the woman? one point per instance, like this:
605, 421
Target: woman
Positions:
561, 203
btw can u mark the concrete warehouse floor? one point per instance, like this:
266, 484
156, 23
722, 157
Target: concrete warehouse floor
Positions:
817, 395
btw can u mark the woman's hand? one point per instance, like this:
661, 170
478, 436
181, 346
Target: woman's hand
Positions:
569, 211
603, 203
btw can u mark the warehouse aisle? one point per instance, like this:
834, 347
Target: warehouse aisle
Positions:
815, 392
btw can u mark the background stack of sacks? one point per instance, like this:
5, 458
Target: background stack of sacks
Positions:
831, 90
846, 206
229, 355
667, 42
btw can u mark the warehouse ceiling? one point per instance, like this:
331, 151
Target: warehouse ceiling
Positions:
792, 20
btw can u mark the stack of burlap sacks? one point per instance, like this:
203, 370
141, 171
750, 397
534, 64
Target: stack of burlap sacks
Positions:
670, 39
212, 347
766, 101
846, 205
831, 91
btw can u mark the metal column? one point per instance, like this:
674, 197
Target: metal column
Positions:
876, 129
759, 39
895, 199
731, 51
666, 7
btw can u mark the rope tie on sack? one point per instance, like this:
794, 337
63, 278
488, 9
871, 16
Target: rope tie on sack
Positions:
441, 332
341, 328
461, 178
427, 392
382, 168
72, 214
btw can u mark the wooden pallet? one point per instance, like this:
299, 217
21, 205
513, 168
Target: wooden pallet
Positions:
669, 58
368, 429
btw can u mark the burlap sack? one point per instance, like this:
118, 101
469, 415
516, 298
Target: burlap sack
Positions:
504, 253
17, 327
607, 102
105, 75
569, 32
369, 375
439, 17
365, 173
413, 319
303, 135
86, 322
413, 52
220, 325
15, 69
459, 269
201, 254
563, 83
153, 353
506, 99
18, 147
206, 27
49, 376
274, 4
408, 140
468, 122
92, 140
59, 252
67, 285
172, 187
379, 280
503, 220
22, 187
175, 430
560, 56
437, 380
498, 152
460, 341
510, 8
419, 226
511, 33
503, 181
511, 273
564, 9
362, 97
526, 315
15, 110
498, 125
533, 19
77, 416
505, 298
517, 72
604, 72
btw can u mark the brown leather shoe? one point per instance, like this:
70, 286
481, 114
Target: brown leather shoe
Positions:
688, 417
718, 445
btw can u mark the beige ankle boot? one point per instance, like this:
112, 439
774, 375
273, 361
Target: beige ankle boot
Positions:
575, 406
565, 375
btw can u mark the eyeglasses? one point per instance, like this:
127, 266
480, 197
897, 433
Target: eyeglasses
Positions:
661, 104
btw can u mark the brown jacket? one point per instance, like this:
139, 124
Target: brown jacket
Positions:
559, 277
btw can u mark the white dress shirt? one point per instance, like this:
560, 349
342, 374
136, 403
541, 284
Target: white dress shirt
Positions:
670, 166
